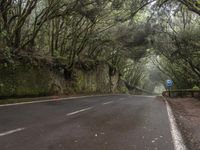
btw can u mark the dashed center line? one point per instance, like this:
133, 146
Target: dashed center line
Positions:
11, 131
108, 103
78, 111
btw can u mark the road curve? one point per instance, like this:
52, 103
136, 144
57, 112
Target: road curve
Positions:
118, 122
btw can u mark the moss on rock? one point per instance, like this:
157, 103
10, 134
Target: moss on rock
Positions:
25, 79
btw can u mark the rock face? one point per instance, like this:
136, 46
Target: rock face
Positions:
85, 81
102, 78
114, 82
21, 79
26, 80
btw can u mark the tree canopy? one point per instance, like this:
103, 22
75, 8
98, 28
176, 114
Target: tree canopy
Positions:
124, 33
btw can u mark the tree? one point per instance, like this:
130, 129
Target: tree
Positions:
176, 40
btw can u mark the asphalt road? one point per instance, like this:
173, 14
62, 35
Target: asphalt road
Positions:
120, 122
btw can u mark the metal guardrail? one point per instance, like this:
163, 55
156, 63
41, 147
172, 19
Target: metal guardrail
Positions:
182, 93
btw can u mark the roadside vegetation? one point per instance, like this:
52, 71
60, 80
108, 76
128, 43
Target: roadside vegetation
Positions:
131, 36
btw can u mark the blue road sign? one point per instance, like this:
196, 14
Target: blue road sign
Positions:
169, 83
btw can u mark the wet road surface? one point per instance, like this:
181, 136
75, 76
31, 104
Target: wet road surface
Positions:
118, 122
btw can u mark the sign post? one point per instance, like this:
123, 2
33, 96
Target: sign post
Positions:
169, 84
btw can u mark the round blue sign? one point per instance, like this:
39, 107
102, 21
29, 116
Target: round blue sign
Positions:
169, 83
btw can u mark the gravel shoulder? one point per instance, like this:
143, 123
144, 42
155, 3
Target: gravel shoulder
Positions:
187, 114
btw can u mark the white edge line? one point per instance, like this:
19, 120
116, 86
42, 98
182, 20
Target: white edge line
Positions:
78, 111
148, 96
11, 131
106, 103
176, 135
59, 99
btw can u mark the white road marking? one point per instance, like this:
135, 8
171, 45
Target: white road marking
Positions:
146, 96
176, 135
78, 111
58, 99
11, 131
106, 103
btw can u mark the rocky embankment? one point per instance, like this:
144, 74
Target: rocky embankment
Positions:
42, 78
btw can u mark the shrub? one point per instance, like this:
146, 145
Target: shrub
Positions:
196, 88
